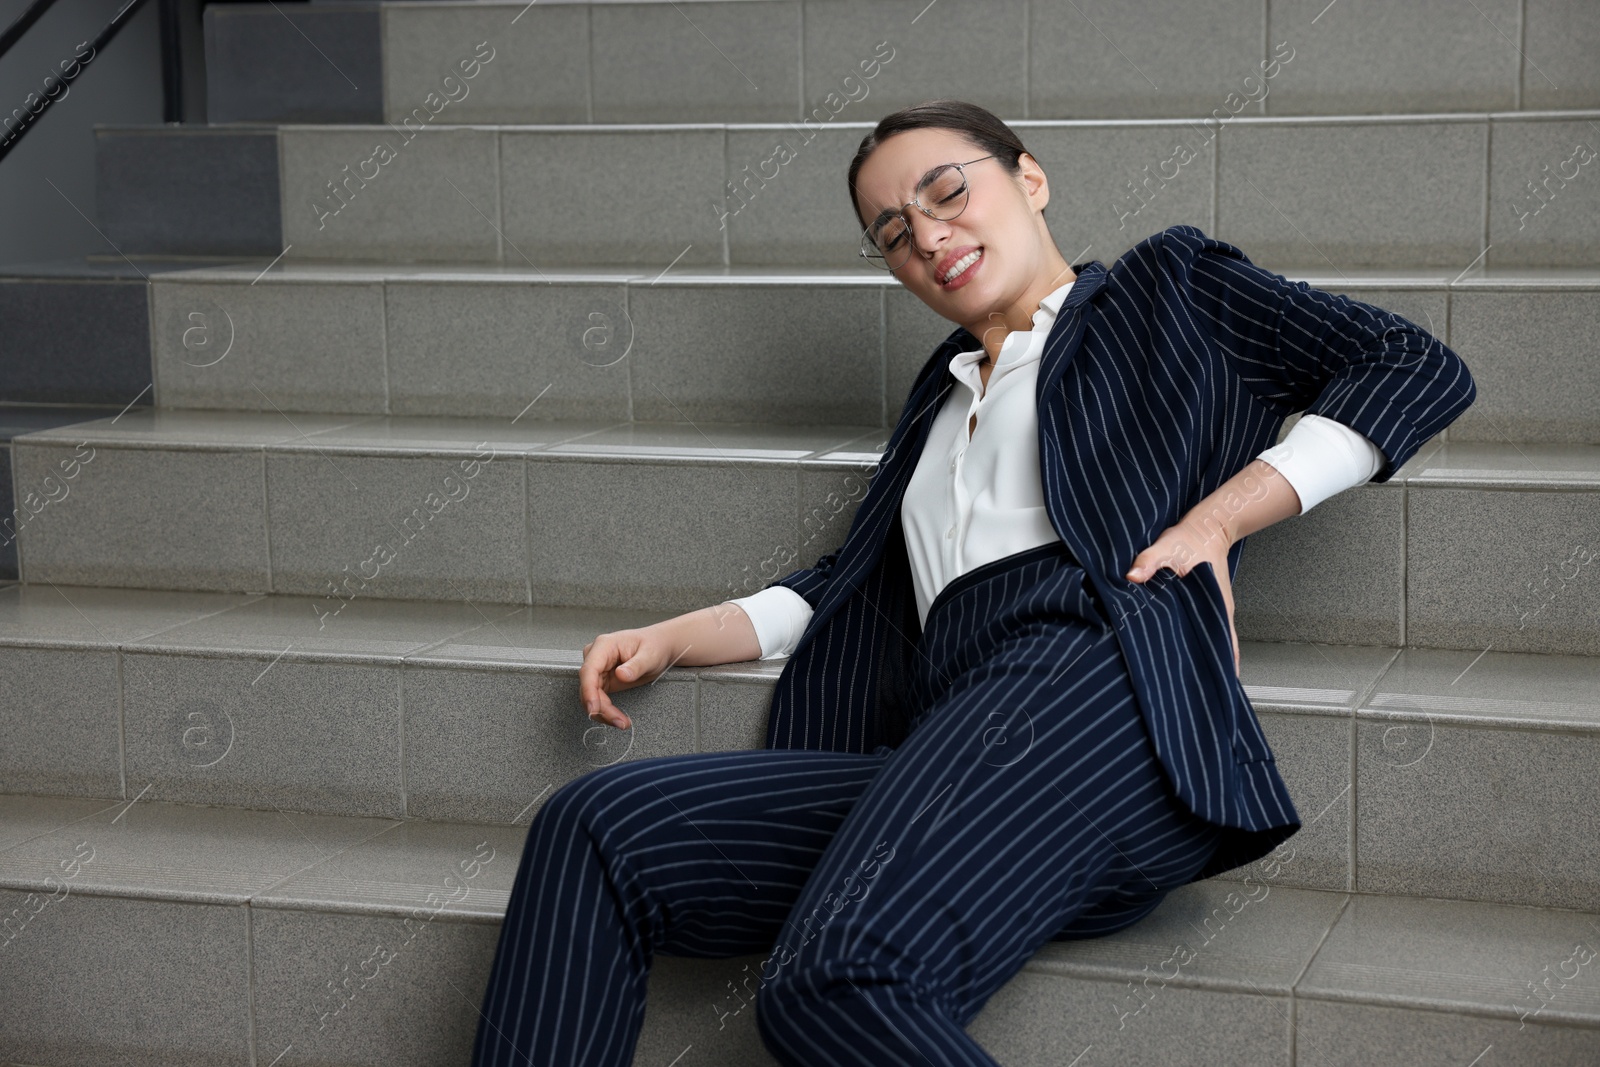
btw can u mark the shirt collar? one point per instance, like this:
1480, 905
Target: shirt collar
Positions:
1042, 319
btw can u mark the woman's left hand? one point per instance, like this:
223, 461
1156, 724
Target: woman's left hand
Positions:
1182, 546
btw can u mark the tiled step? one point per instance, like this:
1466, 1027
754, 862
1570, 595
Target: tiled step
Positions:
713, 193
185, 934
1470, 545
1458, 774
743, 343
779, 61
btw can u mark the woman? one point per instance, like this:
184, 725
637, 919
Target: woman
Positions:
998, 725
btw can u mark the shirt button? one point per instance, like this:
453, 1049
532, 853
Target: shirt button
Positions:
952, 463
950, 533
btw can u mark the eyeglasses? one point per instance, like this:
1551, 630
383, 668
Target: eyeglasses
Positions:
942, 195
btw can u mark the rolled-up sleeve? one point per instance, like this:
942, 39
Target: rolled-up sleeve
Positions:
779, 615
1321, 457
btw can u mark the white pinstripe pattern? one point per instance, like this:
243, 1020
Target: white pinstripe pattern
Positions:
1074, 834
1162, 377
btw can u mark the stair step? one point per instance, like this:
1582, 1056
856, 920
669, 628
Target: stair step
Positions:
1424, 771
548, 513
734, 343
260, 934
711, 193
784, 62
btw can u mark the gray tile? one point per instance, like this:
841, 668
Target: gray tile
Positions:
368, 629
59, 715
535, 636
1563, 36
1429, 55
729, 62
1542, 210
386, 192
441, 868
552, 215
50, 615
1285, 676
146, 983
314, 63
74, 340
1256, 936
182, 852
447, 436
1334, 574
578, 368
829, 499
23, 818
724, 440
1331, 1034
1313, 756
491, 63
491, 745
1476, 688
1452, 955
1119, 62
143, 517
1541, 595
1469, 464
1532, 363
149, 427
245, 346
1486, 814
911, 333
8, 506
770, 357
356, 989
18, 419
193, 190
1391, 206
784, 199
414, 528
258, 732
723, 517
1115, 184
884, 56
1027, 1023
734, 705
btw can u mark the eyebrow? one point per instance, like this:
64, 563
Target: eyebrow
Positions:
888, 213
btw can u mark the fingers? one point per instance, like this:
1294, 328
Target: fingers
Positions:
601, 658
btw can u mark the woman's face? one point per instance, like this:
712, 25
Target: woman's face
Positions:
1001, 222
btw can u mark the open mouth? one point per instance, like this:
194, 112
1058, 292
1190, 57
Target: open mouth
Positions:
962, 270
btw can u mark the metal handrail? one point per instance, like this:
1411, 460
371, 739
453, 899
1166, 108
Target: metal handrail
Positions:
171, 66
15, 31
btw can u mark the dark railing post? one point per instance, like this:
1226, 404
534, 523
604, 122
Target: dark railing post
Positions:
171, 61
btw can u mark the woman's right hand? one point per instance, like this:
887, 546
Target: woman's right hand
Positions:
616, 661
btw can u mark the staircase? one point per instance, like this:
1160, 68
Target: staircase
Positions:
468, 331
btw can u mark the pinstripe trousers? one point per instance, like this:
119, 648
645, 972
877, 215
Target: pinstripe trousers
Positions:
895, 891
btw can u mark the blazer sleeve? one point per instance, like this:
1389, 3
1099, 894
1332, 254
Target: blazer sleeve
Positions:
810, 582
1302, 349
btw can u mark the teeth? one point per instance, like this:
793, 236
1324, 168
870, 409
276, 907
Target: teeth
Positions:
962, 264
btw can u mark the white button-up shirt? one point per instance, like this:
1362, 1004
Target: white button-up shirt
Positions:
979, 497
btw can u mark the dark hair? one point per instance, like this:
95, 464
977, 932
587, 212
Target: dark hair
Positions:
978, 125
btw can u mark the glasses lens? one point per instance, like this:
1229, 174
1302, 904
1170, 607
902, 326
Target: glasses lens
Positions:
944, 193
889, 244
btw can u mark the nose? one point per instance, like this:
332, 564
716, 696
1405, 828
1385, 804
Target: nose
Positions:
937, 231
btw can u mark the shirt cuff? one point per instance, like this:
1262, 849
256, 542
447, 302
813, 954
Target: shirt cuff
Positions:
779, 615
1321, 457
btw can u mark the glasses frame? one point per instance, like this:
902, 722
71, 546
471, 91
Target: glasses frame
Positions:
881, 261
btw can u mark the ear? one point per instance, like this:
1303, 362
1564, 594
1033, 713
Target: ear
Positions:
1034, 183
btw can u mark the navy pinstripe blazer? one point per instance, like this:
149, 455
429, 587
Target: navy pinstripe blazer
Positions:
1162, 377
